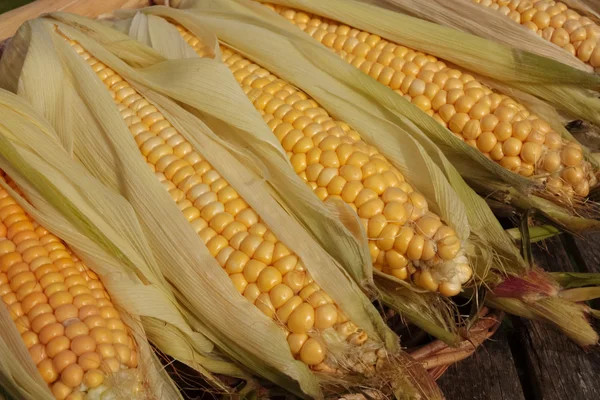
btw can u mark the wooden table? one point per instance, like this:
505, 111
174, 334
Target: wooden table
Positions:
530, 360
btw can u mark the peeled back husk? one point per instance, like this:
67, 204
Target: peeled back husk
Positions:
100, 140
136, 297
301, 69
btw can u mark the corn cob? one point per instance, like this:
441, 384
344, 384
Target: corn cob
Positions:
335, 163
555, 22
260, 267
74, 334
499, 127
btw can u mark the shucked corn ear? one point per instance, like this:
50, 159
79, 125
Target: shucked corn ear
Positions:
260, 267
74, 334
498, 126
555, 22
406, 240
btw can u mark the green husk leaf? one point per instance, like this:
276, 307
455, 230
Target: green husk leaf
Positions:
580, 294
536, 233
570, 280
570, 318
563, 86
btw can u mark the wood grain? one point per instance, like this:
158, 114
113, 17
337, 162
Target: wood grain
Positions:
555, 368
10, 21
489, 374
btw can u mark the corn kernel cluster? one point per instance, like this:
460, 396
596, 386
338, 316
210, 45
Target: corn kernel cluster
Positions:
555, 22
333, 160
502, 129
74, 334
261, 267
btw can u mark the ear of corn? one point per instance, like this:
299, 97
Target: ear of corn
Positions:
496, 125
468, 16
501, 177
289, 56
74, 334
225, 231
470, 52
555, 22
336, 163
76, 338
59, 199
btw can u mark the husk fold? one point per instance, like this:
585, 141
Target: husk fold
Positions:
20, 125
540, 76
350, 96
98, 138
424, 314
470, 17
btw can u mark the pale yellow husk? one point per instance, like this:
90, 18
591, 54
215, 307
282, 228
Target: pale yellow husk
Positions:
421, 313
291, 57
20, 125
474, 167
100, 140
470, 17
564, 87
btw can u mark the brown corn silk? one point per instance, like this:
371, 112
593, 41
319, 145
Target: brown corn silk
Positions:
261, 268
496, 125
406, 240
555, 22
74, 334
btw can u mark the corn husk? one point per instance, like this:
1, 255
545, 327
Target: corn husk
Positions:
467, 16
138, 300
98, 138
542, 77
419, 312
479, 171
589, 8
296, 59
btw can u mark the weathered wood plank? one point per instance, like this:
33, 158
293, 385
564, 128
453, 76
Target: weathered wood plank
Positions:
558, 369
554, 367
588, 250
489, 374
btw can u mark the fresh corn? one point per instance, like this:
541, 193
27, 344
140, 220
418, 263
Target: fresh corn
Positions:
406, 240
261, 267
74, 334
498, 126
555, 22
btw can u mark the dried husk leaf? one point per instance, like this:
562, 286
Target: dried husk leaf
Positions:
474, 167
470, 17
20, 124
344, 96
297, 69
93, 115
427, 316
564, 87
104, 145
